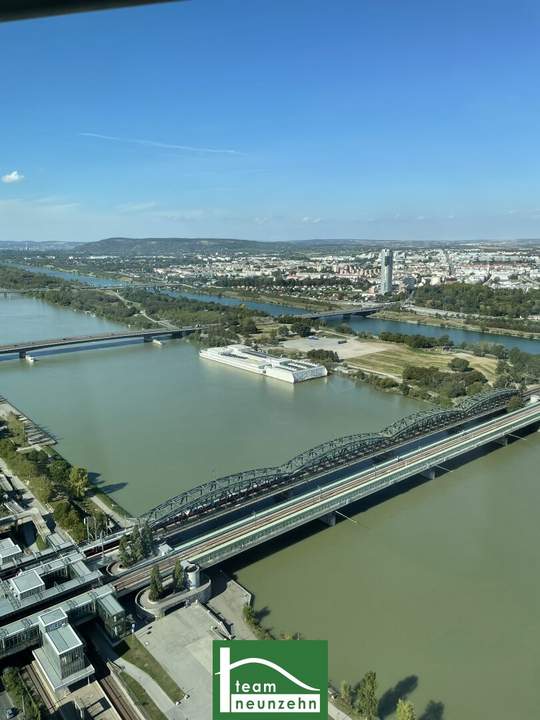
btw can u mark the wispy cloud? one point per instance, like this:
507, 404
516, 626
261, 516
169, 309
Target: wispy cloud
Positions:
13, 177
166, 146
311, 220
135, 207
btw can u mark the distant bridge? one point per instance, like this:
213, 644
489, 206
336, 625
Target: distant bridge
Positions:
23, 348
346, 312
81, 285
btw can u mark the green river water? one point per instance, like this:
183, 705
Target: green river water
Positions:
437, 586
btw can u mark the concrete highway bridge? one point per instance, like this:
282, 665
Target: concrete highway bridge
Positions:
23, 348
358, 310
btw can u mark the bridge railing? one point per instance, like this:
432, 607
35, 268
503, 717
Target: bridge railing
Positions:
331, 454
323, 507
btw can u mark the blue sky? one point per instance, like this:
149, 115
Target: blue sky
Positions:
282, 119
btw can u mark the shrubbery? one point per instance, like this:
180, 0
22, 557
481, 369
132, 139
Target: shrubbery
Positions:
14, 684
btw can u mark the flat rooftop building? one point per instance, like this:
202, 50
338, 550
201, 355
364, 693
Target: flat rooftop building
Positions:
46, 582
26, 583
9, 551
61, 656
260, 363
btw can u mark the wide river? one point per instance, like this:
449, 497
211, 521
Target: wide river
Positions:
371, 325
436, 587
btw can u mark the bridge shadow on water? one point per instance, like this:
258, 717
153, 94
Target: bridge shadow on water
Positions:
83, 348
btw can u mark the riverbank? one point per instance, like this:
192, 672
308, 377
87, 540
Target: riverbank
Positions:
292, 301
450, 322
65, 490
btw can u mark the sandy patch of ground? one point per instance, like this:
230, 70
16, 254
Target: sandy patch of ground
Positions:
351, 348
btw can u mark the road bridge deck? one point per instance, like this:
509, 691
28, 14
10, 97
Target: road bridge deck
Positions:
22, 348
344, 312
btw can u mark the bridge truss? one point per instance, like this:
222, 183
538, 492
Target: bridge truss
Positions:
330, 455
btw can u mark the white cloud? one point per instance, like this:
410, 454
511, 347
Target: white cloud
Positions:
134, 207
166, 146
311, 220
13, 177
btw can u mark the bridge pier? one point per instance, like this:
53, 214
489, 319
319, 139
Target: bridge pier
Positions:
22, 354
329, 519
503, 441
429, 474
147, 338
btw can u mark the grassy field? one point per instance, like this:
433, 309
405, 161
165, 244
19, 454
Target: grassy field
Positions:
132, 650
141, 699
391, 361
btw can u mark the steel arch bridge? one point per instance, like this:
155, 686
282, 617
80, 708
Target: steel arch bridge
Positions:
332, 454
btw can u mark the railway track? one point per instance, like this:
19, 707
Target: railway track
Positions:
124, 583
122, 704
33, 679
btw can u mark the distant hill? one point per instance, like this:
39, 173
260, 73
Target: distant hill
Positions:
36, 245
175, 246
170, 246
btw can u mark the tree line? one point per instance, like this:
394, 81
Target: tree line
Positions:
53, 481
480, 299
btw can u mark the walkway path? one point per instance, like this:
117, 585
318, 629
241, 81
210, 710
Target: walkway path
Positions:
122, 521
155, 692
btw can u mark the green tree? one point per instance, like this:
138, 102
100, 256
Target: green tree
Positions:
459, 364
156, 584
248, 327
136, 544
178, 576
124, 554
100, 523
515, 403
366, 698
78, 482
405, 710
147, 539
58, 472
345, 693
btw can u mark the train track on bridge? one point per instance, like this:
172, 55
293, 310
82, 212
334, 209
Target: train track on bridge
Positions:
218, 494
195, 551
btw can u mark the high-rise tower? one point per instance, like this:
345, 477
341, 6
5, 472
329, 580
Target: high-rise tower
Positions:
387, 266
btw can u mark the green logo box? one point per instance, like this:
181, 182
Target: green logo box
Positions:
270, 679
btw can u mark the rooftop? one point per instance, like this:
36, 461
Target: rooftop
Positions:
8, 548
64, 638
52, 617
27, 581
